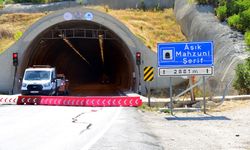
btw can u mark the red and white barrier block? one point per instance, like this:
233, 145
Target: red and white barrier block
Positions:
104, 101
8, 99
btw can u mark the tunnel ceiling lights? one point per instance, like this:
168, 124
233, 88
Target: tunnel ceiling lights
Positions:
101, 47
70, 45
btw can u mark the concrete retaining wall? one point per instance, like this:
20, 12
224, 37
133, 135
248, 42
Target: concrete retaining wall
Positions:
199, 23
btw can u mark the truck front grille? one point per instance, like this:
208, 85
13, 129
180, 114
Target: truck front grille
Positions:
35, 87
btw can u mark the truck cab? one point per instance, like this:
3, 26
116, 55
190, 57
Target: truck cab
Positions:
39, 80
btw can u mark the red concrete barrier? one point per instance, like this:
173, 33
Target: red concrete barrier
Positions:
104, 101
8, 99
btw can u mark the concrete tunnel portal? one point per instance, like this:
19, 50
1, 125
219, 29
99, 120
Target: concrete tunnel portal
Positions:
57, 45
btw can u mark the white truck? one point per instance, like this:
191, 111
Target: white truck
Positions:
40, 80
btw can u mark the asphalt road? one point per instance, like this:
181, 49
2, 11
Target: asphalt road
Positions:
73, 128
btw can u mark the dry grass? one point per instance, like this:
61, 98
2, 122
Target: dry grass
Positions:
20, 21
5, 43
150, 26
5, 33
10, 24
231, 105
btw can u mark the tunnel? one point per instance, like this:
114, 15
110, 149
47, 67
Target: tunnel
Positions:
94, 59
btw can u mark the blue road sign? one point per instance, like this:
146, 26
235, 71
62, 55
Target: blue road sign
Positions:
185, 54
89, 16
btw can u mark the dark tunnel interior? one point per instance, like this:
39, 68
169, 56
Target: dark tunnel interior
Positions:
92, 74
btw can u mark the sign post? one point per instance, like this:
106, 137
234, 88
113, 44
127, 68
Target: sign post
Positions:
148, 77
191, 82
171, 96
186, 59
204, 94
149, 94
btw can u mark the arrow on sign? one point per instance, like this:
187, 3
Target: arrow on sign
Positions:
125, 102
34, 100
119, 102
98, 102
136, 102
87, 102
104, 102
81, 103
109, 102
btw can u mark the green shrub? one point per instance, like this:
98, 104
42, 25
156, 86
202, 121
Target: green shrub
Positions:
234, 21
143, 5
247, 38
232, 8
242, 82
9, 1
245, 19
221, 12
202, 2
243, 5
221, 2
237, 6
18, 35
215, 3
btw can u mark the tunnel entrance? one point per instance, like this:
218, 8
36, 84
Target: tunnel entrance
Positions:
94, 59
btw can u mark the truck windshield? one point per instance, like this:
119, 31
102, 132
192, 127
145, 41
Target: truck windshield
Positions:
37, 75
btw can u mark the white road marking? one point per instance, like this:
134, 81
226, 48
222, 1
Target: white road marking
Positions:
97, 137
